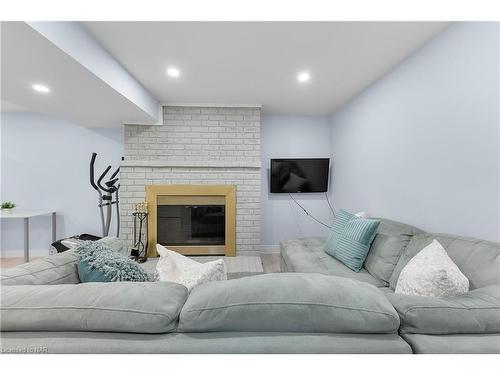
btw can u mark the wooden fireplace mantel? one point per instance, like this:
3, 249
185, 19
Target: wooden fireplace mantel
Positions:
226, 192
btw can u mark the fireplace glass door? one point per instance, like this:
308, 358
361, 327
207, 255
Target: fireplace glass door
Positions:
193, 223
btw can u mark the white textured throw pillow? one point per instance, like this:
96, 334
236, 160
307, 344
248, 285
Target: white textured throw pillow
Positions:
432, 273
177, 268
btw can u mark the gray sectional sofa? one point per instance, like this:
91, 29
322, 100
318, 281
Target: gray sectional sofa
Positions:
469, 323
44, 308
316, 306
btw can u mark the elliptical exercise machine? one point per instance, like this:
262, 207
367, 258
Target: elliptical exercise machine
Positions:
106, 192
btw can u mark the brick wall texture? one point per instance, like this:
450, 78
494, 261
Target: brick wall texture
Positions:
197, 145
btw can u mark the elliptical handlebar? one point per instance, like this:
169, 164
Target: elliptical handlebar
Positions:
92, 179
105, 191
114, 174
101, 178
111, 183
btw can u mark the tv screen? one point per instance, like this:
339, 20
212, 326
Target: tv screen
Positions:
299, 175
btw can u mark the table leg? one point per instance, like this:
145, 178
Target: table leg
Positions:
53, 227
26, 239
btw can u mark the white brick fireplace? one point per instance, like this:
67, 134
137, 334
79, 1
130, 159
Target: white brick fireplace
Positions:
197, 145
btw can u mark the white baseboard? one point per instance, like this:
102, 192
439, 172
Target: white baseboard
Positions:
270, 248
264, 249
248, 253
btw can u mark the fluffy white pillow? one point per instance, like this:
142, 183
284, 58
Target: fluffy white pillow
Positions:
112, 242
432, 273
179, 269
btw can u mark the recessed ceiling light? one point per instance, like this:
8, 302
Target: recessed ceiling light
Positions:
173, 72
303, 77
40, 88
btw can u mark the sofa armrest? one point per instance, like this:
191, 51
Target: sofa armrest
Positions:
107, 307
55, 269
477, 311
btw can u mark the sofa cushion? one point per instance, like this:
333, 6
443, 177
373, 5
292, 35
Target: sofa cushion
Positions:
55, 269
108, 307
432, 273
350, 239
177, 268
355, 242
288, 302
478, 260
307, 255
202, 343
454, 344
389, 243
339, 224
99, 263
477, 311
115, 244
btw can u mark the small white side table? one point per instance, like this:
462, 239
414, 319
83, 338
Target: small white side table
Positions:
26, 215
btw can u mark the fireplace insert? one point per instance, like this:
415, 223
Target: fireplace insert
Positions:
191, 225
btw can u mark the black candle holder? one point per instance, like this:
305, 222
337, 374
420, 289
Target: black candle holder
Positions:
140, 248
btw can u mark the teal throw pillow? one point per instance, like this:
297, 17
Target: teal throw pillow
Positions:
99, 263
87, 274
341, 220
350, 239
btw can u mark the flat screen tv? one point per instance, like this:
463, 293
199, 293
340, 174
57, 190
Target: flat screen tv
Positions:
299, 175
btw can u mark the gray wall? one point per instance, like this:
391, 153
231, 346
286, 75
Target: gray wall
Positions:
292, 137
45, 165
422, 144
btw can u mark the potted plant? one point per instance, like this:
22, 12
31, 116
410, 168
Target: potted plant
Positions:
7, 206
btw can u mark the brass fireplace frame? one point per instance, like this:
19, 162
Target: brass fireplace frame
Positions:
227, 192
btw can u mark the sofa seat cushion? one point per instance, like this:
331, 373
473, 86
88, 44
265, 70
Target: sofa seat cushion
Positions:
389, 243
454, 344
477, 311
288, 302
108, 307
55, 269
307, 255
478, 260
202, 343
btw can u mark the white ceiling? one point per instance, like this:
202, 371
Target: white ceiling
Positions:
77, 95
220, 63
257, 62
